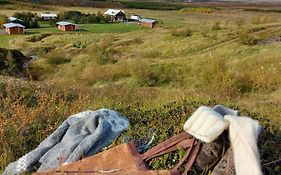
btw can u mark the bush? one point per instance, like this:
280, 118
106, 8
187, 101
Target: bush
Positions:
216, 26
79, 45
153, 75
198, 9
79, 17
38, 37
181, 32
222, 80
152, 5
29, 19
246, 39
103, 52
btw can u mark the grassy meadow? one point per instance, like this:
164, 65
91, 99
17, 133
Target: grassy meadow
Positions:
156, 77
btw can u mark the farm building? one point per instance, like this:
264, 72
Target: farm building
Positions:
66, 26
14, 28
135, 18
14, 20
47, 16
151, 23
115, 15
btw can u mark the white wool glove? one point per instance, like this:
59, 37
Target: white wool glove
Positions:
243, 134
205, 124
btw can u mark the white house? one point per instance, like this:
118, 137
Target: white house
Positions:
135, 18
115, 15
48, 16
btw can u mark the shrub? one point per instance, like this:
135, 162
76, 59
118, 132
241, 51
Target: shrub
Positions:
216, 26
79, 17
41, 51
198, 9
106, 57
246, 39
102, 51
223, 81
38, 37
152, 5
29, 19
153, 75
186, 32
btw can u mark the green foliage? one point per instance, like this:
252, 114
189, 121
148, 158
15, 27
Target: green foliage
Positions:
3, 2
152, 5
82, 18
262, 10
184, 32
153, 75
38, 37
29, 19
52, 22
103, 52
223, 81
79, 45
197, 9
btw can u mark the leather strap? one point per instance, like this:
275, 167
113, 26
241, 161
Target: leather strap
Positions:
181, 145
176, 168
171, 142
182, 140
192, 158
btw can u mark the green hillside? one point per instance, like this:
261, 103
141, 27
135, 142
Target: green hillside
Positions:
157, 77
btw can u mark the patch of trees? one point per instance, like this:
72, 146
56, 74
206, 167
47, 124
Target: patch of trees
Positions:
82, 18
152, 5
28, 19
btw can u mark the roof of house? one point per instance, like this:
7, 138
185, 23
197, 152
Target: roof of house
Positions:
135, 17
65, 23
113, 12
10, 25
148, 20
11, 19
49, 15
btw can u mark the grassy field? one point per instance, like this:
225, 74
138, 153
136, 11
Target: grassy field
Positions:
157, 77
7, 41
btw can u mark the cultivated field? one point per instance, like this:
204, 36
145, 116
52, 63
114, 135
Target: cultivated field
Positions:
157, 77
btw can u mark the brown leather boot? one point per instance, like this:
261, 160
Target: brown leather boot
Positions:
210, 154
226, 164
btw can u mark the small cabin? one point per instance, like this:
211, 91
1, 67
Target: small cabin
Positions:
14, 28
150, 23
115, 15
66, 26
48, 16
